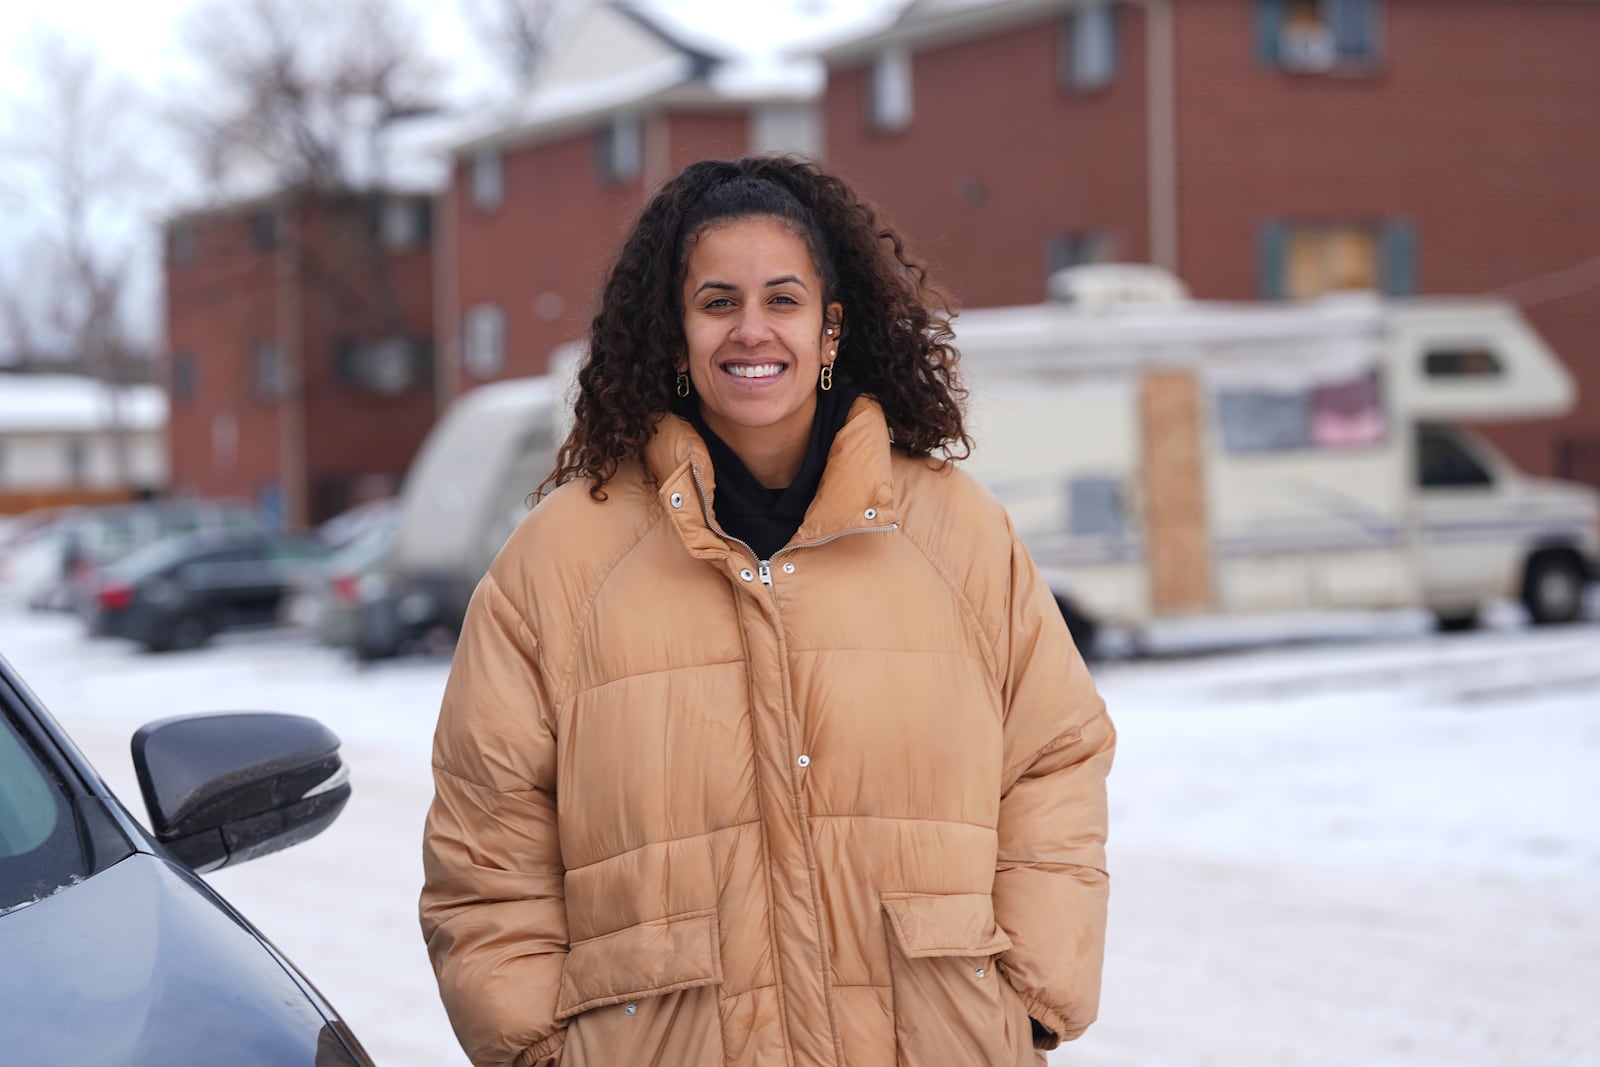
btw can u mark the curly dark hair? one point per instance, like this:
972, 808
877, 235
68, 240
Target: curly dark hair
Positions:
896, 339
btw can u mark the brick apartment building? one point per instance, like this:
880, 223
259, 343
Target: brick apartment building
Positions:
299, 334
539, 204
1259, 148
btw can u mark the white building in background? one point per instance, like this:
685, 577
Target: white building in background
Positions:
59, 440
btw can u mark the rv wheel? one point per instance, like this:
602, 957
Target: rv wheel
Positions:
1553, 589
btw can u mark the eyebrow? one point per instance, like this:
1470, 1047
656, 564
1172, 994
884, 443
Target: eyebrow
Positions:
728, 287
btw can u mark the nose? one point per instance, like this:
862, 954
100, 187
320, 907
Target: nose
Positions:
752, 327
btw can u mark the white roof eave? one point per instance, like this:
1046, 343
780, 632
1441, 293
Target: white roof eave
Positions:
929, 25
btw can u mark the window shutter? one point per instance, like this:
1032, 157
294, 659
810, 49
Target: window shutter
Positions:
1269, 27
1355, 28
1272, 250
1398, 263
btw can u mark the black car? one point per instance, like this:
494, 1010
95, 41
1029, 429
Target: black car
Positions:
178, 592
114, 951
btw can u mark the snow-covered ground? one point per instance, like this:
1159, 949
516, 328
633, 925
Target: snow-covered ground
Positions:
1381, 851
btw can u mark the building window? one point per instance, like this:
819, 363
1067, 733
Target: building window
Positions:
267, 372
224, 440
388, 366
890, 101
1088, 48
785, 128
403, 222
77, 461
619, 149
1079, 249
485, 349
1299, 261
488, 179
184, 374
1318, 35
264, 230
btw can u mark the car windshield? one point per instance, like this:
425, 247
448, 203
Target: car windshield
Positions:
154, 557
39, 846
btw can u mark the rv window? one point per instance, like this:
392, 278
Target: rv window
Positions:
1330, 416
1096, 505
1347, 414
1462, 363
1443, 463
1257, 420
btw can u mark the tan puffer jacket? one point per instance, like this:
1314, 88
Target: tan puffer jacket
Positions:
694, 810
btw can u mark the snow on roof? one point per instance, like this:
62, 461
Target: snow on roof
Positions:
66, 403
618, 57
926, 22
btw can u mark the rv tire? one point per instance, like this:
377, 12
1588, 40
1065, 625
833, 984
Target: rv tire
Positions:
1553, 588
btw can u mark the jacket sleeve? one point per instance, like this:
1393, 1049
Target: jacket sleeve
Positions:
1050, 885
493, 911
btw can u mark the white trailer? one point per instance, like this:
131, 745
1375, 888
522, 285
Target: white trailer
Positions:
1165, 457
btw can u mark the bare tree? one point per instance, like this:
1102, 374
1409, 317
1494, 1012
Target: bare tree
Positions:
302, 92
75, 158
517, 35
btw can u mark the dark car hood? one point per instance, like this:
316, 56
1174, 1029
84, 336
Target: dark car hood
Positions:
138, 967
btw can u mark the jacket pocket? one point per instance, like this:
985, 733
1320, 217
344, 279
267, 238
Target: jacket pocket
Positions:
647, 995
948, 1004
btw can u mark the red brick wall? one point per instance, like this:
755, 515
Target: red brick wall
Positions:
999, 157
228, 298
713, 135
1479, 126
358, 291
218, 306
551, 237
558, 228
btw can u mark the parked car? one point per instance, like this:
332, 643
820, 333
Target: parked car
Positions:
327, 600
116, 952
72, 551
179, 592
31, 571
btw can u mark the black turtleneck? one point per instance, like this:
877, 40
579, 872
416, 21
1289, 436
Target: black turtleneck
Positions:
765, 518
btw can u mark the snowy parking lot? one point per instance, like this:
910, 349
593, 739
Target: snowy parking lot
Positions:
1382, 851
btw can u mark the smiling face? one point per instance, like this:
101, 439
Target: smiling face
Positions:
753, 326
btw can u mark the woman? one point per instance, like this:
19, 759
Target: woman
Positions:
764, 743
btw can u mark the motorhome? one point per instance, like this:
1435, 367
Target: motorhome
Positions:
1166, 457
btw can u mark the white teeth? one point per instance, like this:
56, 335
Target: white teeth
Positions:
758, 370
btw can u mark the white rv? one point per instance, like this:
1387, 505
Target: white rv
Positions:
465, 492
1166, 457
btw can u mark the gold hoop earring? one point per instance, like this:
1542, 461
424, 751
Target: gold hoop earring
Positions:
827, 377
683, 384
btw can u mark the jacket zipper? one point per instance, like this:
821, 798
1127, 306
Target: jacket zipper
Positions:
764, 566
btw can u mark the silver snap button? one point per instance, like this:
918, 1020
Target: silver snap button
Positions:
747, 574
982, 973
633, 1009
804, 761
872, 513
788, 568
677, 500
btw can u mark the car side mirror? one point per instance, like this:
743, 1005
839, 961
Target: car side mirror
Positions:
225, 788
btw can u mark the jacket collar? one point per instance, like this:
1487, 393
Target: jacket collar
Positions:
857, 490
